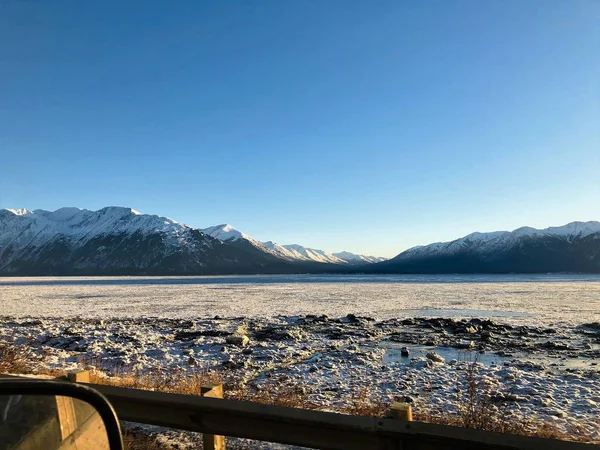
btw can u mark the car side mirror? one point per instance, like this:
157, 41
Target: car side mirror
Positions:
54, 415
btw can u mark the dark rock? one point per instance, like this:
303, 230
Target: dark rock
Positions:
432, 356
278, 334
487, 335
404, 399
506, 397
31, 323
238, 340
553, 345
229, 364
187, 335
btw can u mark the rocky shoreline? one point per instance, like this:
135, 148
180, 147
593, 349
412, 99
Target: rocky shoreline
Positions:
542, 372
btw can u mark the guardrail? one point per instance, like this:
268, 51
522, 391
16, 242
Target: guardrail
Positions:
306, 428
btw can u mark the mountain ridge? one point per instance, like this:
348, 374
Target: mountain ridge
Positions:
122, 241
574, 247
226, 232
119, 241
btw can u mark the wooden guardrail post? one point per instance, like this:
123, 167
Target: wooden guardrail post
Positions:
402, 411
67, 421
211, 441
79, 376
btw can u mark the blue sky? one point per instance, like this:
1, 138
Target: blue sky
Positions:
342, 125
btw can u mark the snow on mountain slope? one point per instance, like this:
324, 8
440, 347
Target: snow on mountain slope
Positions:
497, 241
354, 258
73, 238
38, 227
289, 252
226, 232
280, 250
123, 240
312, 254
119, 241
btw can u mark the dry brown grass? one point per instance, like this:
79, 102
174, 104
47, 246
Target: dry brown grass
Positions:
362, 403
14, 358
292, 395
137, 441
158, 380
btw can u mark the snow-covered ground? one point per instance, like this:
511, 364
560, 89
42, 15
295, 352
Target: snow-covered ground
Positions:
534, 338
521, 299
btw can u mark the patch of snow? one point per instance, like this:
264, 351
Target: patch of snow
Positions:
19, 212
225, 232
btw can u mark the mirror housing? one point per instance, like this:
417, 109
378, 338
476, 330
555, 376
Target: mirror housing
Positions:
75, 416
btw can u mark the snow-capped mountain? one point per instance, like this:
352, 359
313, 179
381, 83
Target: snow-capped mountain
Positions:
300, 252
291, 252
122, 241
353, 258
574, 247
116, 240
226, 232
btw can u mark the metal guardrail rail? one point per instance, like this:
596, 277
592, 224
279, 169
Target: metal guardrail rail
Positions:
307, 428
313, 429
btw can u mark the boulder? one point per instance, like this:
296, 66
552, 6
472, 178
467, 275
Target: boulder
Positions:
433, 356
462, 343
238, 340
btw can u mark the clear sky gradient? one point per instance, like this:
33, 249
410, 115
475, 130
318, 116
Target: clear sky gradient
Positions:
368, 126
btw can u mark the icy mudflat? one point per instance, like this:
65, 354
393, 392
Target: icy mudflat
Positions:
534, 341
525, 299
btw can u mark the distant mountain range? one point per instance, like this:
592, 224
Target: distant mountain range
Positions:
290, 252
574, 247
122, 241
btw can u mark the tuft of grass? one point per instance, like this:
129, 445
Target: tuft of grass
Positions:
15, 358
292, 395
138, 441
361, 403
189, 383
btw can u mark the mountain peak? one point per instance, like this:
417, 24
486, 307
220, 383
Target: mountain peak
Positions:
19, 212
225, 232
